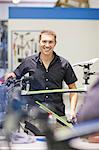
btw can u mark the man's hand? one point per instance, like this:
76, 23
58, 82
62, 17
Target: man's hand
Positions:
71, 117
8, 75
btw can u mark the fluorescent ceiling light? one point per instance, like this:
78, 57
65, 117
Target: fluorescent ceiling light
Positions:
16, 1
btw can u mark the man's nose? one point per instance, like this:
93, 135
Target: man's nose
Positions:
47, 44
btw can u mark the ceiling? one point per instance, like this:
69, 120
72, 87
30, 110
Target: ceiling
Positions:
30, 1
92, 3
33, 2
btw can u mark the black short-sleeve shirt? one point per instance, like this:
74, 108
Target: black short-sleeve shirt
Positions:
58, 71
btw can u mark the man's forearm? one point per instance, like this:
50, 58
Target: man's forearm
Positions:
73, 101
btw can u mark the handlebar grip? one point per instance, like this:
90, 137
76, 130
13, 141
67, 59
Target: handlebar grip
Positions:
10, 80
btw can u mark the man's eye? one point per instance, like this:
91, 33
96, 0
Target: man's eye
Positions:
50, 42
44, 41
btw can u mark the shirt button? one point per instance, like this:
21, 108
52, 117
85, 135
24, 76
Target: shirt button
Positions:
46, 88
46, 96
46, 70
46, 79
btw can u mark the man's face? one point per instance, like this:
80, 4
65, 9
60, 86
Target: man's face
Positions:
47, 43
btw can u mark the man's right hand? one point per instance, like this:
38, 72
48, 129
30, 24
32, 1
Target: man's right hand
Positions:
8, 75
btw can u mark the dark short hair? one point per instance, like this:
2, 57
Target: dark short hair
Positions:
50, 32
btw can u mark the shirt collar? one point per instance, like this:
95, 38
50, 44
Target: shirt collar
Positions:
37, 58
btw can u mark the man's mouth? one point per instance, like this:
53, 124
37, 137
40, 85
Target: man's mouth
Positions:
47, 49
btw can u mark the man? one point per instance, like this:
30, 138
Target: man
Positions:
48, 70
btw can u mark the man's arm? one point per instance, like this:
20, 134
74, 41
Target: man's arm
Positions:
73, 101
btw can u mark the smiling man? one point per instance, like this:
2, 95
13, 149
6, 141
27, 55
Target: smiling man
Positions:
48, 71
